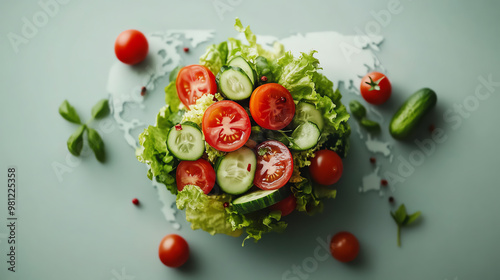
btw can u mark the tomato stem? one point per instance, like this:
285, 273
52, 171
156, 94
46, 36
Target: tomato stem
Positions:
374, 84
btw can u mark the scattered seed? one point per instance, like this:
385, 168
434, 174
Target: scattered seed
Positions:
185, 49
263, 78
135, 201
143, 91
373, 160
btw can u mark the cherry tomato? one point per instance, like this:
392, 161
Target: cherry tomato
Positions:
344, 246
194, 81
131, 47
286, 206
326, 167
226, 126
375, 88
199, 173
274, 165
173, 250
272, 106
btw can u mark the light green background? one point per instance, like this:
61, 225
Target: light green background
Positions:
85, 227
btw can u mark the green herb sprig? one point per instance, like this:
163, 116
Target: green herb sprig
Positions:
75, 141
403, 219
359, 112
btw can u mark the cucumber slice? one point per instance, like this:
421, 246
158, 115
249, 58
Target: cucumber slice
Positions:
245, 66
185, 141
305, 136
235, 171
234, 83
260, 199
307, 112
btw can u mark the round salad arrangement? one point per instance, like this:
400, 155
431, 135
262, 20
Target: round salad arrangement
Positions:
248, 136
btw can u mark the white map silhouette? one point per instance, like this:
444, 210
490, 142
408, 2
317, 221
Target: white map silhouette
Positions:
344, 59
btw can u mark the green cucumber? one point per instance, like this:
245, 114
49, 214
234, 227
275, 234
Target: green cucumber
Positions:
185, 141
236, 170
305, 136
260, 199
245, 66
307, 112
411, 112
234, 83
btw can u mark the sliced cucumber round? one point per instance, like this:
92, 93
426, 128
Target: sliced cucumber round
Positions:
235, 171
234, 83
260, 199
305, 136
245, 66
307, 112
185, 141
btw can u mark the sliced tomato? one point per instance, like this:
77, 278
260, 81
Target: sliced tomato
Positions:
272, 106
194, 81
226, 126
199, 173
274, 165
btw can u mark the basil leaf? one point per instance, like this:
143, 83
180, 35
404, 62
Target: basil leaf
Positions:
75, 141
96, 144
101, 109
410, 219
69, 113
400, 214
370, 125
357, 109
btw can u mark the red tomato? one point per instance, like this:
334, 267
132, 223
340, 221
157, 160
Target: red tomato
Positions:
274, 165
326, 167
226, 126
271, 106
199, 173
375, 88
194, 81
286, 206
131, 47
173, 250
344, 246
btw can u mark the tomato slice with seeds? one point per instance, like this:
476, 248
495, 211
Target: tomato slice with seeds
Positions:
199, 173
193, 82
274, 165
272, 106
226, 126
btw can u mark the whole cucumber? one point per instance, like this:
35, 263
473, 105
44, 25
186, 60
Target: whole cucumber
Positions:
410, 113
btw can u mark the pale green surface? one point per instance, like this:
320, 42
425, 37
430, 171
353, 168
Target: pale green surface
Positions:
85, 226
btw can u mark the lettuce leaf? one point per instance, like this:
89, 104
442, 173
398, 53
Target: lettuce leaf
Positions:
218, 55
206, 212
309, 196
154, 150
256, 223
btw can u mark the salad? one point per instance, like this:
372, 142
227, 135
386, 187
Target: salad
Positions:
239, 138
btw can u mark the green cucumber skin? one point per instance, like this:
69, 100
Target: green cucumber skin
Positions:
263, 202
410, 113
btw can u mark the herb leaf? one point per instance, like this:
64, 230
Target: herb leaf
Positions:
96, 144
69, 113
75, 141
403, 219
370, 125
412, 218
357, 109
101, 109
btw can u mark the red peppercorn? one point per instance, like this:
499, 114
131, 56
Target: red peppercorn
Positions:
186, 49
143, 91
226, 204
391, 199
263, 78
373, 160
178, 127
383, 182
135, 201
431, 128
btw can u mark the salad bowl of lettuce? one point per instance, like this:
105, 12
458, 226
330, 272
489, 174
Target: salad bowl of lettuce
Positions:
234, 203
